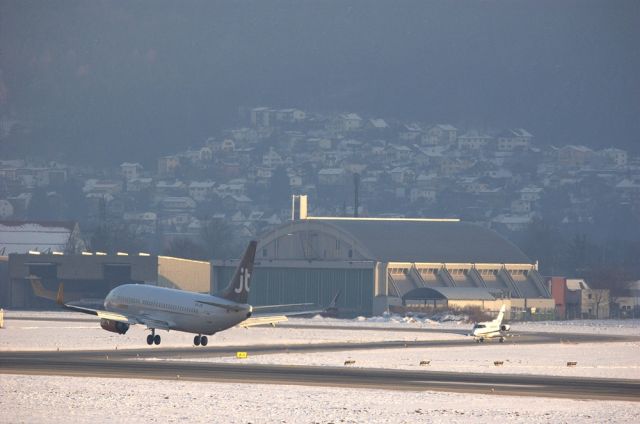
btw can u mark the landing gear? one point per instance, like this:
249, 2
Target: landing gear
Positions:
200, 340
153, 338
481, 340
501, 339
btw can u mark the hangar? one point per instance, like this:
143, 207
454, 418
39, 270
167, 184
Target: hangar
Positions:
31, 280
375, 262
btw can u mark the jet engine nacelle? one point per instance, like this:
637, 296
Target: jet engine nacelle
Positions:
505, 327
114, 326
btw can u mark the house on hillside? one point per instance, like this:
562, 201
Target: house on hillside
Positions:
440, 135
514, 139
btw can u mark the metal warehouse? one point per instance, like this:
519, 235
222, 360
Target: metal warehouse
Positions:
375, 263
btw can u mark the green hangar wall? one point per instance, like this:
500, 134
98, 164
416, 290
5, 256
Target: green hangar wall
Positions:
287, 282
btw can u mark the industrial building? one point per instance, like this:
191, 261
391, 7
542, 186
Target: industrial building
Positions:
381, 263
377, 264
575, 299
36, 256
30, 281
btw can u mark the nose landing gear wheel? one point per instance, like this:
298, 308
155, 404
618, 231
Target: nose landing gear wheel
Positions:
501, 339
204, 340
196, 340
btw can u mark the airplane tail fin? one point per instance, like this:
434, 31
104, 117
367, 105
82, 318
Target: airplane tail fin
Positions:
238, 288
500, 317
40, 291
334, 301
60, 295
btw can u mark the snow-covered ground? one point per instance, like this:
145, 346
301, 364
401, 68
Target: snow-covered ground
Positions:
614, 360
74, 335
606, 360
48, 399
92, 400
630, 327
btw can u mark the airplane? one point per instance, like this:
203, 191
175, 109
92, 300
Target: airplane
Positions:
160, 308
331, 311
482, 331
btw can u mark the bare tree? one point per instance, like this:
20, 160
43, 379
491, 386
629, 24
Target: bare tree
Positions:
183, 247
219, 240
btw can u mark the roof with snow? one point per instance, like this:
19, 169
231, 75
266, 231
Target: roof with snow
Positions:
378, 123
445, 127
42, 236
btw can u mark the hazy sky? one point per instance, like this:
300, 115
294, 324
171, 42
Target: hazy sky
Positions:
164, 74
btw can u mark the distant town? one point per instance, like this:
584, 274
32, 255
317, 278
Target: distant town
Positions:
244, 177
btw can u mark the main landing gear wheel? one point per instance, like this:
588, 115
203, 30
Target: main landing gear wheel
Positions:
200, 340
153, 338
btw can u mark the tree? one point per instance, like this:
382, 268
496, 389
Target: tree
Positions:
183, 247
219, 240
614, 278
113, 236
544, 243
38, 209
279, 190
578, 255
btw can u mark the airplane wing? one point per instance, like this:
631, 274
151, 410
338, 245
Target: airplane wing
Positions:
264, 319
155, 323
113, 316
234, 308
258, 308
267, 320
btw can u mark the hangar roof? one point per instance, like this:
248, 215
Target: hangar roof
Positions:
430, 241
21, 237
451, 293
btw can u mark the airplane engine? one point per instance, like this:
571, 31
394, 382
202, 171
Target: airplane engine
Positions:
505, 327
114, 326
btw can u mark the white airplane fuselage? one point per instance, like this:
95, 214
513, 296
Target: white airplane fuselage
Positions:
486, 330
491, 329
184, 311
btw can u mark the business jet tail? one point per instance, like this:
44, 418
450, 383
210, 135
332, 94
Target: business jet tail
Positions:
500, 317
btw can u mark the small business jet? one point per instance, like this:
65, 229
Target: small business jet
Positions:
162, 308
491, 329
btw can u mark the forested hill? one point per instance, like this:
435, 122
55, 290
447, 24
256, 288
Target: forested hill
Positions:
113, 80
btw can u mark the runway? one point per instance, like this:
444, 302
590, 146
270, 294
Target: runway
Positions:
134, 363
130, 363
253, 349
57, 363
